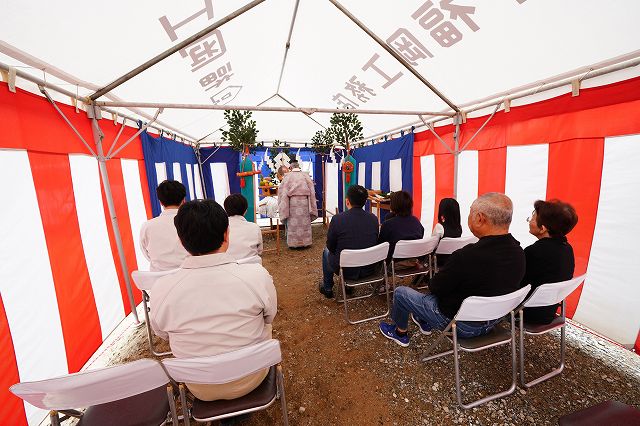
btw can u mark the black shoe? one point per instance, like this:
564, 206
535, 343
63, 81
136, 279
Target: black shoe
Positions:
327, 293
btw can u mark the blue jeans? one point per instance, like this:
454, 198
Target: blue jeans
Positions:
424, 308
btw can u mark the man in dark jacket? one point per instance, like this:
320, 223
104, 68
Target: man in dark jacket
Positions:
493, 266
352, 229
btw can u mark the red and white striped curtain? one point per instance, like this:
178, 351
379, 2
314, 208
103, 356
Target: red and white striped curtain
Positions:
584, 150
62, 288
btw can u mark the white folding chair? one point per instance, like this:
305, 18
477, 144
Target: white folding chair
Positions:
476, 308
409, 249
449, 245
360, 258
129, 394
225, 368
545, 295
144, 281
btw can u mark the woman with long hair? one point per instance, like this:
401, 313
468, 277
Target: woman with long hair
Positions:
448, 219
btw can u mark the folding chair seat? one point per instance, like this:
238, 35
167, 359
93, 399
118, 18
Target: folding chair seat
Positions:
448, 245
144, 281
476, 308
225, 368
359, 258
136, 393
545, 295
409, 249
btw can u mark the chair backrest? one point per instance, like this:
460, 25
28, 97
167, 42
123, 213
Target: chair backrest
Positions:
363, 257
144, 280
449, 245
226, 367
478, 308
252, 259
552, 293
415, 248
93, 387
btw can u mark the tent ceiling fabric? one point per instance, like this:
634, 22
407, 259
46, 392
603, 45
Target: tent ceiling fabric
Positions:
467, 49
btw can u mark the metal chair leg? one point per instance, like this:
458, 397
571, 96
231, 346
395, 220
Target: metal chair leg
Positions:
183, 402
488, 398
172, 405
145, 299
283, 400
552, 373
346, 300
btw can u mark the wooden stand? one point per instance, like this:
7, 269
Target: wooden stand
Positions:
271, 191
378, 203
276, 231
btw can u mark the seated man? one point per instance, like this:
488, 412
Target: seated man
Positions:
550, 259
493, 266
212, 305
402, 225
245, 238
352, 229
159, 240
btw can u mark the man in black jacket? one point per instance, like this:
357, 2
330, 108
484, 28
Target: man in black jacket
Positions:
493, 266
352, 229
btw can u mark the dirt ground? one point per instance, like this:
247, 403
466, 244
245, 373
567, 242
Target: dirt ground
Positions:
341, 374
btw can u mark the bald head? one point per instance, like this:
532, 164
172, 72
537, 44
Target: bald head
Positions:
490, 214
282, 170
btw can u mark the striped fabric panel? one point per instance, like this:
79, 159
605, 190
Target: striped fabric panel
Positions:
26, 282
95, 241
526, 182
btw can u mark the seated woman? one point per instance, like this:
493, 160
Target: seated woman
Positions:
448, 219
245, 238
448, 223
550, 259
400, 223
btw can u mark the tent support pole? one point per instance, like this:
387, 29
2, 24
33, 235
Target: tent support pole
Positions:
481, 127
288, 44
199, 158
306, 115
186, 42
64, 117
305, 110
396, 55
110, 155
98, 135
456, 154
430, 127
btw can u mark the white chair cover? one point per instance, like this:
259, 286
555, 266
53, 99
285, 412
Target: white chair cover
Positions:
364, 257
93, 387
552, 293
144, 280
449, 245
415, 248
477, 308
227, 367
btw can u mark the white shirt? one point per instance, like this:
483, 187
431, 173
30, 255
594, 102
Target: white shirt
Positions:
212, 305
438, 230
160, 243
245, 238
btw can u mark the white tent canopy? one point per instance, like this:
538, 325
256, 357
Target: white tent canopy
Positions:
467, 50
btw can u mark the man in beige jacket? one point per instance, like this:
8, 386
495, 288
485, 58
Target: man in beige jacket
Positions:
213, 305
